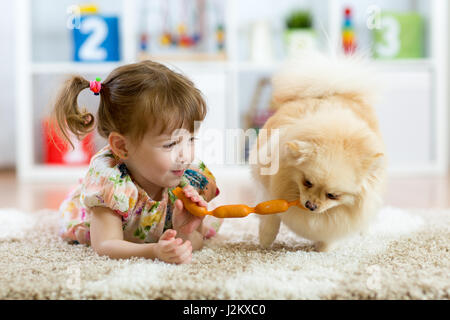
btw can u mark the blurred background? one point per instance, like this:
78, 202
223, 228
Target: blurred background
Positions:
230, 49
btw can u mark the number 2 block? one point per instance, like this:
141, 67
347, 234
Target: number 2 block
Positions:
97, 39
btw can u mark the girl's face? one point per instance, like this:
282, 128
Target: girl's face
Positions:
160, 160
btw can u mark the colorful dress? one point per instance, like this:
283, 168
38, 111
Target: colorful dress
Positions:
109, 184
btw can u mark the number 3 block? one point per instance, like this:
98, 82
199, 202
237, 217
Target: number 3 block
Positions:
96, 39
401, 36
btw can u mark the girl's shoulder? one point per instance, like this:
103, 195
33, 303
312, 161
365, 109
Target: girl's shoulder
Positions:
103, 159
107, 183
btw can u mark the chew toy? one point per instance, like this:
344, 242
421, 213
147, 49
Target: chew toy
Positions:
235, 210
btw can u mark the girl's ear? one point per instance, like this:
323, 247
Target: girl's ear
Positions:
118, 145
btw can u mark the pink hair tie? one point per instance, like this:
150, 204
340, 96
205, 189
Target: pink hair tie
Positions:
95, 86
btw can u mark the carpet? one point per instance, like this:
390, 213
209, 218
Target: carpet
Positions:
405, 255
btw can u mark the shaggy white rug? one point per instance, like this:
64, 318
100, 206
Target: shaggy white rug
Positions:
405, 255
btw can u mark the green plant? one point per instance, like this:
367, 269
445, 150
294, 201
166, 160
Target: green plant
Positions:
299, 19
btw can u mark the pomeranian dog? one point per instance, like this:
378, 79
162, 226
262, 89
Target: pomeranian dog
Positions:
330, 151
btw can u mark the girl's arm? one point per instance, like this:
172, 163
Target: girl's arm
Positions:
188, 226
107, 239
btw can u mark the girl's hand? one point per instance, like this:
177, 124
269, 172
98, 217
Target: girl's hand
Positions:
172, 250
192, 193
182, 220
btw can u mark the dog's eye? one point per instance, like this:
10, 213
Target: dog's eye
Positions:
332, 196
307, 184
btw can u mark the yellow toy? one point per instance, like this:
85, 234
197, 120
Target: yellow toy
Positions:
235, 210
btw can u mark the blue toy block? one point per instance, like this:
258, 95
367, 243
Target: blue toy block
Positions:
97, 39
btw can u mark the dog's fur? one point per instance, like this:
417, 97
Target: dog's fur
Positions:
329, 146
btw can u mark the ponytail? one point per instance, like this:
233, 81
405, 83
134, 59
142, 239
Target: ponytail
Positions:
133, 98
66, 112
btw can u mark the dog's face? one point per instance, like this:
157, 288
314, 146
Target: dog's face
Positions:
325, 181
330, 170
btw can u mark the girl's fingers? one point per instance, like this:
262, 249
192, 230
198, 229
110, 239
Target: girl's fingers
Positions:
200, 201
188, 189
172, 245
193, 194
186, 246
168, 234
184, 251
179, 204
185, 257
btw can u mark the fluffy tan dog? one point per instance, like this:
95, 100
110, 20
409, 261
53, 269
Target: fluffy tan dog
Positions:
329, 150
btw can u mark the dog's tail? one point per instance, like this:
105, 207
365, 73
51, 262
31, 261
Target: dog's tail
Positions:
314, 75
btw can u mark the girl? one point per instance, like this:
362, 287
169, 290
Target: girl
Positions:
124, 206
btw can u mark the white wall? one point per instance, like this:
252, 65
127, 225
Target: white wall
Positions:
7, 116
448, 84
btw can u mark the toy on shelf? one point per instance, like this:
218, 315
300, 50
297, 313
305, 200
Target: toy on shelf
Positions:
58, 152
220, 37
348, 33
143, 44
299, 35
257, 116
95, 36
400, 35
235, 210
182, 30
183, 38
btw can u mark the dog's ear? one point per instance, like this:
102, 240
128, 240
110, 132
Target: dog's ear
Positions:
375, 162
299, 150
378, 160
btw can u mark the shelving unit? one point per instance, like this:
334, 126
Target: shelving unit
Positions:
228, 95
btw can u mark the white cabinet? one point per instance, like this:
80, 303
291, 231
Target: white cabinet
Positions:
413, 112
406, 114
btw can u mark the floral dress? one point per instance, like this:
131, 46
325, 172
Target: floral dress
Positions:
109, 184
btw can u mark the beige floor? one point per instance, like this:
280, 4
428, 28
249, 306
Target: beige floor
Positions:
430, 192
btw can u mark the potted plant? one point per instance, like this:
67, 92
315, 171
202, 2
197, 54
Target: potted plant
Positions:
299, 34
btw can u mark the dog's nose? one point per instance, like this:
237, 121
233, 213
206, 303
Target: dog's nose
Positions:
310, 206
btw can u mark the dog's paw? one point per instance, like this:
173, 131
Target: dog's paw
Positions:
268, 230
321, 246
265, 241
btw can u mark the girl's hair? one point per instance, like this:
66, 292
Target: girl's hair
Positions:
133, 98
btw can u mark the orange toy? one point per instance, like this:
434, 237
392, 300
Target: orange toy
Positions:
235, 210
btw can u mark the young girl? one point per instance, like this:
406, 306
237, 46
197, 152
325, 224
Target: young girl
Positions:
124, 206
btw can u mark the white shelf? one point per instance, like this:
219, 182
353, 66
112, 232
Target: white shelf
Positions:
82, 67
405, 64
245, 66
56, 173
392, 65
258, 67
231, 69
72, 67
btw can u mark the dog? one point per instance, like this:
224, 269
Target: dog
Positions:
330, 150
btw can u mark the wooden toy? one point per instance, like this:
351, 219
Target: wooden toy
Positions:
348, 33
235, 210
